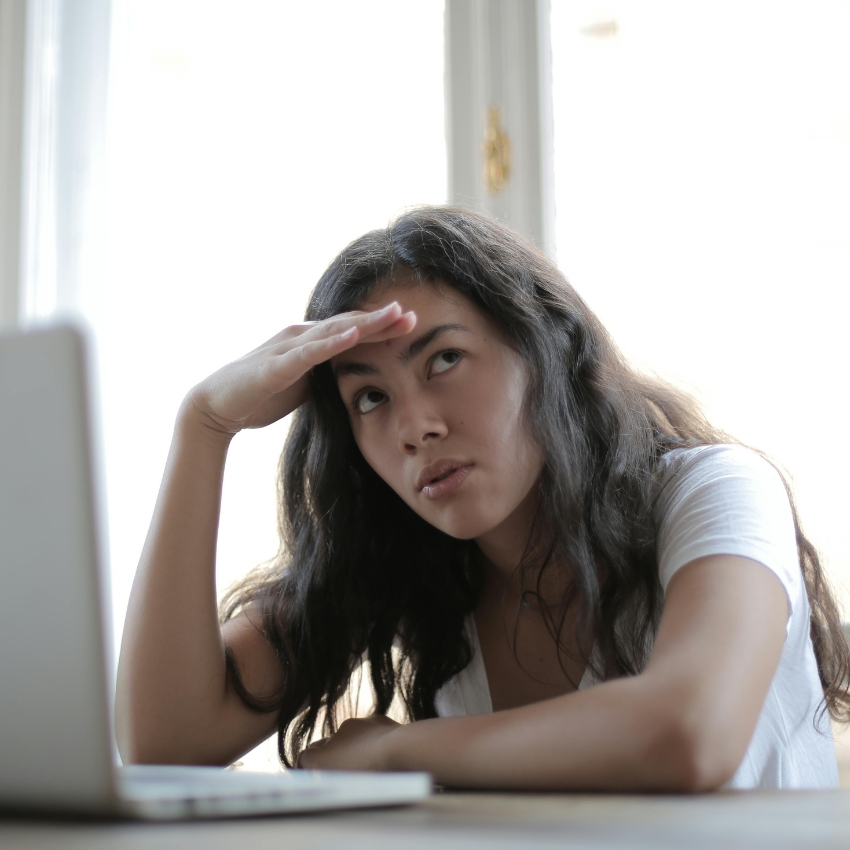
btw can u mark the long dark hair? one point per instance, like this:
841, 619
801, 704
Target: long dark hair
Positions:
360, 575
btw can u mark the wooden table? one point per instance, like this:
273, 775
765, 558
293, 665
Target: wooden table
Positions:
451, 821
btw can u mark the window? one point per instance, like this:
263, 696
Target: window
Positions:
702, 162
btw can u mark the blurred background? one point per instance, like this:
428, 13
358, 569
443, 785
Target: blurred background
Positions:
179, 173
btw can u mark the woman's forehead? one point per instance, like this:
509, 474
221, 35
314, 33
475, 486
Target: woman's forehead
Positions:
413, 295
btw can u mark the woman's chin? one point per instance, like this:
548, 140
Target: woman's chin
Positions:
462, 527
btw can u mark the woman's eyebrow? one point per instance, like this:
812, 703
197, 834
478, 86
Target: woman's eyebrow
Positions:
345, 369
422, 342
416, 347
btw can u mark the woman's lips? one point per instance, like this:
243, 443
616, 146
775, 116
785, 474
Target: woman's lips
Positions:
438, 489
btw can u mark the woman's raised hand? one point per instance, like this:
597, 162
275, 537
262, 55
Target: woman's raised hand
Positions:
271, 381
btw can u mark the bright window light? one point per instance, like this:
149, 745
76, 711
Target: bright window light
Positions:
702, 155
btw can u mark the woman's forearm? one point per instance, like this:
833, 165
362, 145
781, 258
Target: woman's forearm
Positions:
171, 676
616, 736
684, 724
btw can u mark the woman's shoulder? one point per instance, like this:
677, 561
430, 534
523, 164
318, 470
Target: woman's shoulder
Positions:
721, 470
716, 459
724, 499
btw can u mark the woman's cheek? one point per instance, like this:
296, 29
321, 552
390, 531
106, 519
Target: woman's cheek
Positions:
382, 455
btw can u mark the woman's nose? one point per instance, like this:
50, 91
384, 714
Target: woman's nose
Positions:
419, 424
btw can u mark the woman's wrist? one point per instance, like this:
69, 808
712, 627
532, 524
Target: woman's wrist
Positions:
393, 753
195, 426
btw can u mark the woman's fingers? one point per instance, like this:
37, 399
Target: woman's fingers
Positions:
292, 364
287, 368
287, 335
377, 325
403, 325
373, 319
369, 324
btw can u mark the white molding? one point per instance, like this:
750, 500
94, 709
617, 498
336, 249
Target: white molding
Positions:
498, 54
38, 201
13, 40
54, 57
83, 33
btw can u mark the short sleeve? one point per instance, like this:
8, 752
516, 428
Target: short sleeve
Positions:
725, 500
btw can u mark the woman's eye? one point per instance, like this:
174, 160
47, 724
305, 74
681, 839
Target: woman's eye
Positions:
369, 400
444, 361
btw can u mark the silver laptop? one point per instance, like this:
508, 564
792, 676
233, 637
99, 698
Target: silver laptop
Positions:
56, 746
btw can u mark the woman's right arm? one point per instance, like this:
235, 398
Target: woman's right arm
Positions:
173, 702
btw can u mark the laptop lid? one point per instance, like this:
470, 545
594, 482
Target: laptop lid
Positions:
55, 749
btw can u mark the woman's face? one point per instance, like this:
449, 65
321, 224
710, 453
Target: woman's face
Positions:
438, 414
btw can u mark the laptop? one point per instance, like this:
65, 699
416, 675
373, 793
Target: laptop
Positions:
56, 747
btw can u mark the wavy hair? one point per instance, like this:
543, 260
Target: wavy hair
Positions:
360, 575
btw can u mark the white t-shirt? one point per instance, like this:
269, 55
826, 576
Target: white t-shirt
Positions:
726, 500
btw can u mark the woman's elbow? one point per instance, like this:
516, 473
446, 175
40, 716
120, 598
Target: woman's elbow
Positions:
697, 753
136, 747
153, 739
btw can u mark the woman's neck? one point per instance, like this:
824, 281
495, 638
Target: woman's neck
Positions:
510, 544
504, 546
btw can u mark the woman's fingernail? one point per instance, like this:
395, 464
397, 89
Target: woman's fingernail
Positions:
388, 308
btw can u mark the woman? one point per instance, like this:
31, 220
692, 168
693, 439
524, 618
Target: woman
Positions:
565, 574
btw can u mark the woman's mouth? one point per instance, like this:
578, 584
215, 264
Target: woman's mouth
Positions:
447, 482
